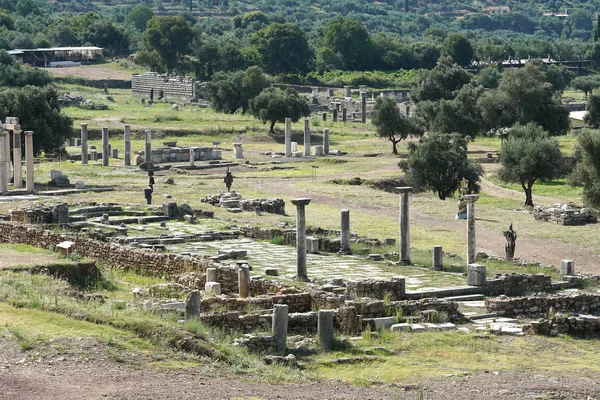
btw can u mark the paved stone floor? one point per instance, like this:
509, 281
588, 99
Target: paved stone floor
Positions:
263, 254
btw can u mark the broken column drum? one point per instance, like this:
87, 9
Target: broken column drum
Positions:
288, 137
404, 224
307, 136
192, 305
344, 114
363, 104
471, 240
279, 326
244, 281
127, 137
325, 328
148, 146
437, 258
301, 237
84, 144
105, 150
29, 185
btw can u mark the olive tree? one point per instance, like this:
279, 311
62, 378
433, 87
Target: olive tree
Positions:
391, 124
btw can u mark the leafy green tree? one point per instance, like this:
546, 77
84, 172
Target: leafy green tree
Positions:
170, 37
230, 92
529, 155
441, 82
460, 115
587, 170
391, 124
242, 21
459, 48
282, 49
14, 74
592, 118
586, 83
275, 105
350, 39
597, 29
139, 16
438, 163
38, 111
103, 33
26, 7
524, 95
218, 55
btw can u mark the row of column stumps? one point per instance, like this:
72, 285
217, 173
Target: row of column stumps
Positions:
105, 145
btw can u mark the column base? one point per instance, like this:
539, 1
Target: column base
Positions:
303, 278
405, 263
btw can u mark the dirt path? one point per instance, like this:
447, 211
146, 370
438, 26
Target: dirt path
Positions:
495, 190
92, 72
546, 251
84, 372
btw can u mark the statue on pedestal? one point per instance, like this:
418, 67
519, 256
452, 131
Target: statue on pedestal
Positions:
511, 239
462, 204
228, 180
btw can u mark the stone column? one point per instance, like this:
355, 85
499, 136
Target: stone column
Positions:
7, 155
325, 328
192, 305
471, 242
288, 137
404, 225
348, 90
307, 136
345, 233
105, 150
326, 141
279, 326
148, 147
192, 157
437, 258
244, 281
335, 112
17, 159
29, 161
363, 107
344, 114
84, 144
3, 162
127, 137
301, 237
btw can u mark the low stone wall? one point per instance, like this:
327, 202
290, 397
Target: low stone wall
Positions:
541, 305
580, 325
378, 309
519, 284
564, 214
300, 302
111, 254
234, 320
376, 289
181, 154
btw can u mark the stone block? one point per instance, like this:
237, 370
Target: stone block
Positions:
417, 328
400, 327
476, 275
384, 322
189, 218
271, 272
169, 209
312, 245
567, 268
213, 288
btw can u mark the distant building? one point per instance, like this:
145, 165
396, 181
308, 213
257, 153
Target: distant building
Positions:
497, 10
559, 15
54, 55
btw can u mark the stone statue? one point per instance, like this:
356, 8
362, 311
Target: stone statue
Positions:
228, 180
462, 204
148, 194
151, 179
511, 239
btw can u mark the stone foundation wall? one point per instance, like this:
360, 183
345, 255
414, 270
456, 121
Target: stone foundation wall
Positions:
581, 325
182, 154
376, 289
111, 254
300, 302
377, 309
174, 88
519, 284
541, 305
565, 214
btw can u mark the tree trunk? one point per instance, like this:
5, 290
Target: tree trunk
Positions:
528, 196
394, 143
271, 130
